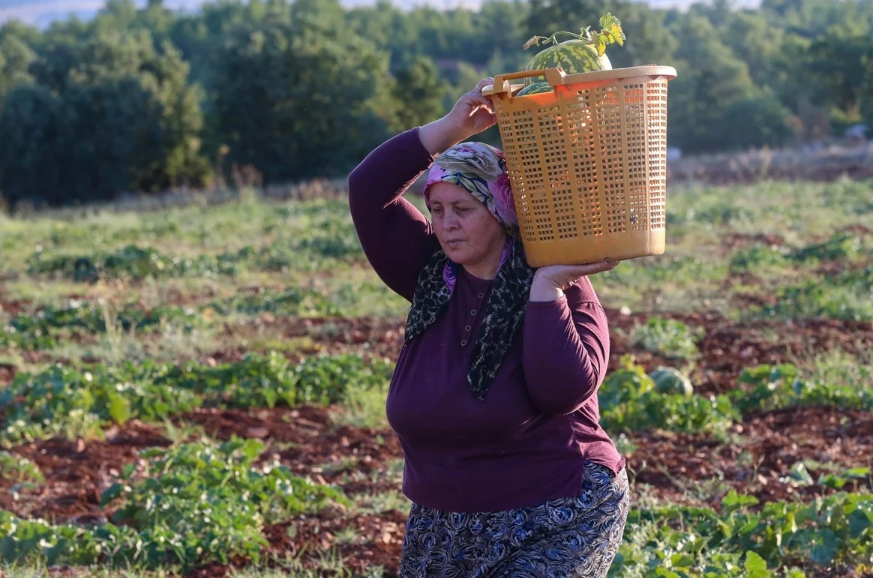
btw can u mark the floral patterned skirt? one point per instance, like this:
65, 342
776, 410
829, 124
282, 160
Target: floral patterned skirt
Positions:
556, 539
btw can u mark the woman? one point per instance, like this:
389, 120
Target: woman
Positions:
494, 397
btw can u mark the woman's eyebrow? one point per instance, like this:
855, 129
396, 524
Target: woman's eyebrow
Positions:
458, 202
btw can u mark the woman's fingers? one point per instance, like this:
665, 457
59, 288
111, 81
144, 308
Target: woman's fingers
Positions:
473, 113
593, 268
563, 276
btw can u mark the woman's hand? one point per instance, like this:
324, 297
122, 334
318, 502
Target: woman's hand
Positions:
550, 282
471, 115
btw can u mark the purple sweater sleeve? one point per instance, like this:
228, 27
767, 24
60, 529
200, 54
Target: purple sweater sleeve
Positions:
566, 349
397, 239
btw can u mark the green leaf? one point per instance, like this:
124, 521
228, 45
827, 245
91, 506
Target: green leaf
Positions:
600, 44
680, 560
111, 493
756, 567
119, 409
859, 522
733, 501
831, 481
611, 29
801, 474
826, 545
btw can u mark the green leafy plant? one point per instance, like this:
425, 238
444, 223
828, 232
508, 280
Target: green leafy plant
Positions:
744, 539
630, 401
841, 246
132, 262
18, 469
196, 503
833, 300
778, 386
45, 328
756, 257
670, 338
203, 502
78, 401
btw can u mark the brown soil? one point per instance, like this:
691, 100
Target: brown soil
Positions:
759, 465
11, 307
7, 372
344, 456
76, 473
727, 347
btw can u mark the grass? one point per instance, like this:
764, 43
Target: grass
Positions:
308, 247
362, 407
377, 504
839, 367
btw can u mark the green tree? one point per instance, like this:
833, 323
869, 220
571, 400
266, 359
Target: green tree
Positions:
810, 17
31, 129
754, 41
296, 100
419, 93
125, 119
16, 57
386, 26
756, 121
710, 80
843, 69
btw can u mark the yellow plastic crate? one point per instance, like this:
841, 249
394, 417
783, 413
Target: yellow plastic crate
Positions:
587, 162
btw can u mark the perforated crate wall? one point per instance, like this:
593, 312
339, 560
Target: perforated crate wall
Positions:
588, 164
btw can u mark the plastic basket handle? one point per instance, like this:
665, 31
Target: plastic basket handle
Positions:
557, 77
554, 76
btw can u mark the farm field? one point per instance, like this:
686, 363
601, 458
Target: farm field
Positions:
200, 391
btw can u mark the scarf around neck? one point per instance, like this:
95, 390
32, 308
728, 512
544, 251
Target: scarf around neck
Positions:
504, 311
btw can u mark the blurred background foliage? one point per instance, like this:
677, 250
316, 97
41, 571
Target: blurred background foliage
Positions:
147, 99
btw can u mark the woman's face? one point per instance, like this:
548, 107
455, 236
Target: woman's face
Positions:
467, 231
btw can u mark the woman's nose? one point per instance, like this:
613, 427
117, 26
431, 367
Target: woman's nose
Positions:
450, 221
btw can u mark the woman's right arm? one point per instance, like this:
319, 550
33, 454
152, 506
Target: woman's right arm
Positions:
397, 239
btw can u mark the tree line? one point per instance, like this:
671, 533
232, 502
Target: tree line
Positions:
146, 99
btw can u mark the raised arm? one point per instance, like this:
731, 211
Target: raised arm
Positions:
397, 239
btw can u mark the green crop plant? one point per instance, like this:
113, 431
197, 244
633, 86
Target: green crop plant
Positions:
743, 539
45, 328
195, 503
62, 399
630, 401
16, 469
668, 337
771, 387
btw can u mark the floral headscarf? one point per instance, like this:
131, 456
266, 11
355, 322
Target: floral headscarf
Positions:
480, 169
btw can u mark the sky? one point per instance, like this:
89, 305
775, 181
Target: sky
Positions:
42, 12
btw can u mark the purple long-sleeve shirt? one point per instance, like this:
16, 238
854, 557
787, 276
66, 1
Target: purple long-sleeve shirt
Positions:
526, 442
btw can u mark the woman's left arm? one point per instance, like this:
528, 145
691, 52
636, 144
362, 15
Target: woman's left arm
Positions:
566, 340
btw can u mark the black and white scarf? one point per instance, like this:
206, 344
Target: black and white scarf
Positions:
504, 312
